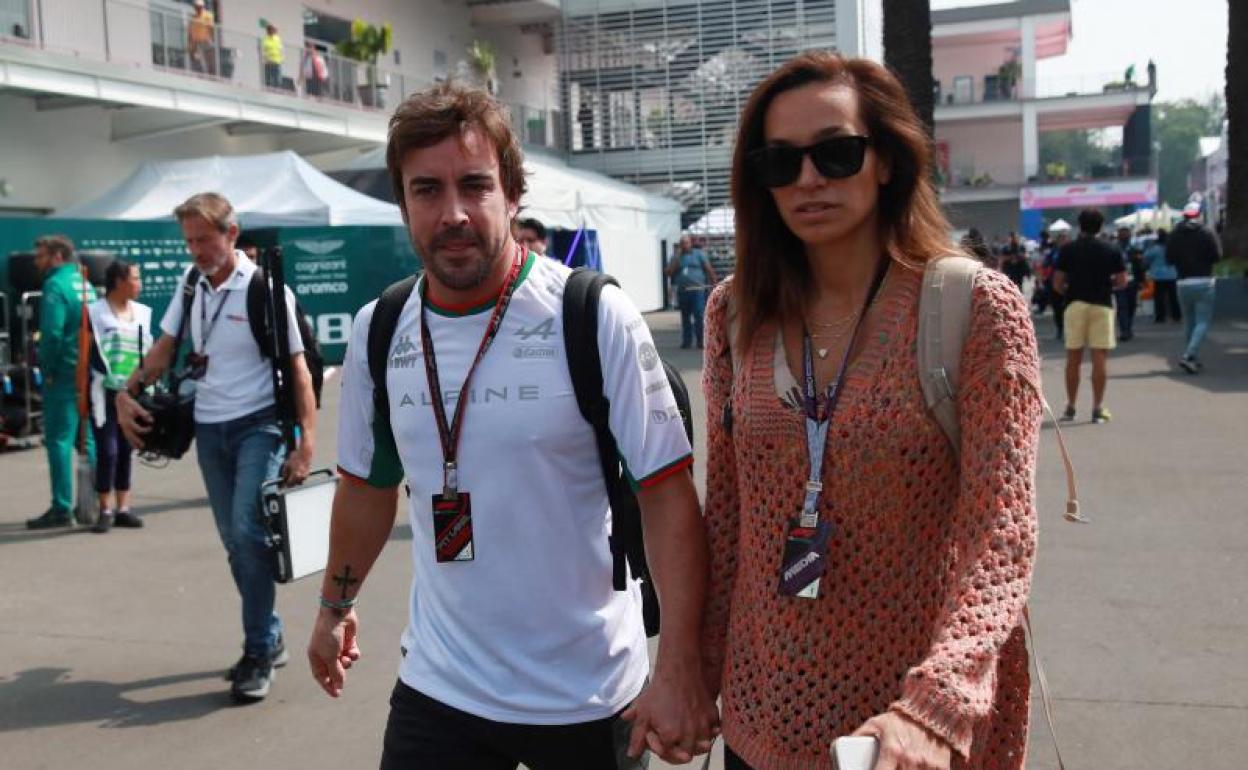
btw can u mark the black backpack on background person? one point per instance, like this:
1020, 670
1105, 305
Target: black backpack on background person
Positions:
580, 330
258, 320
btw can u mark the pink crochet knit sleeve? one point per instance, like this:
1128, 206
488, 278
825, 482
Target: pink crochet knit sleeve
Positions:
994, 525
722, 498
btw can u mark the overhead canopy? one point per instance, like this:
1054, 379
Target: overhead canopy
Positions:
716, 222
1163, 216
1060, 226
631, 223
273, 190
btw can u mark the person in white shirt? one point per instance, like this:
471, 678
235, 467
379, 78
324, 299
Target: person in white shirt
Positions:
238, 441
122, 332
517, 649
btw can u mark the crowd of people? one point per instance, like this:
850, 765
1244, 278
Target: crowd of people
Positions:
810, 594
1094, 283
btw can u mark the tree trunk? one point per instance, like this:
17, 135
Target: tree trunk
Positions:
908, 52
1235, 233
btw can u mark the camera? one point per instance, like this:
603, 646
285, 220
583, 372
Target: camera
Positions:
173, 422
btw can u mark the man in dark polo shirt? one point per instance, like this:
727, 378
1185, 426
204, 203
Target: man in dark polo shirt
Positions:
1088, 271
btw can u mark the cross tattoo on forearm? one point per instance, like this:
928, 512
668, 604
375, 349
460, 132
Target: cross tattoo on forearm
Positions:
345, 581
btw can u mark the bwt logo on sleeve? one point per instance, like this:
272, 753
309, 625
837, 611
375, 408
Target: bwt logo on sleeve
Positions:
647, 356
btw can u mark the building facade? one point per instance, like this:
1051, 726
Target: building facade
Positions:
993, 105
90, 88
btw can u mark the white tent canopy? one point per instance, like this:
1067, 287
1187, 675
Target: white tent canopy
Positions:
1163, 216
273, 190
716, 222
1060, 226
631, 223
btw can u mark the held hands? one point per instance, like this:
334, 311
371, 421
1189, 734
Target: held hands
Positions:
905, 744
333, 649
674, 716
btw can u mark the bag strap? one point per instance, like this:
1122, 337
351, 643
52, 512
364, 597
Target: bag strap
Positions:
1044, 685
257, 311
944, 323
380, 332
580, 341
188, 299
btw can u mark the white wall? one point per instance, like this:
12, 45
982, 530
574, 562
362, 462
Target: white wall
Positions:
519, 52
55, 158
992, 147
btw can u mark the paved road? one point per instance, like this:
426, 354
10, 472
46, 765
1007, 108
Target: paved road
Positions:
113, 647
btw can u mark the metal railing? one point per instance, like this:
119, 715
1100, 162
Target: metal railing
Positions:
139, 36
1088, 84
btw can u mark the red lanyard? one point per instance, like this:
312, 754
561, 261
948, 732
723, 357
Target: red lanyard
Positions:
449, 433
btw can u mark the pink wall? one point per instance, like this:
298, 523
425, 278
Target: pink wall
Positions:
976, 147
976, 60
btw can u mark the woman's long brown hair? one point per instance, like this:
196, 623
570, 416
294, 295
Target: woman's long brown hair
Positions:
772, 280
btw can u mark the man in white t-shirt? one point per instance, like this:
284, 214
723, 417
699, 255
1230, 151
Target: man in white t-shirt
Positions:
238, 442
517, 649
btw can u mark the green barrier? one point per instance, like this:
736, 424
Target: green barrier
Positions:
334, 271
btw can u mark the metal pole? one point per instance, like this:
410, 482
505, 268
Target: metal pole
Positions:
107, 47
39, 10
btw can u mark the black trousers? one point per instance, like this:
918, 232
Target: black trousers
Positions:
1166, 301
425, 734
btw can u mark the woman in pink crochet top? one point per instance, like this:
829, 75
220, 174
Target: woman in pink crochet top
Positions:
885, 598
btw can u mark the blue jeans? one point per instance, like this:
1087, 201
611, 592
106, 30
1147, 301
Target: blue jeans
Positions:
692, 303
236, 457
1196, 301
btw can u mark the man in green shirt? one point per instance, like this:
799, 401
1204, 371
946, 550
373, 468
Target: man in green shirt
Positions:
60, 319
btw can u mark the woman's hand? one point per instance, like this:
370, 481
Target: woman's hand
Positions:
906, 744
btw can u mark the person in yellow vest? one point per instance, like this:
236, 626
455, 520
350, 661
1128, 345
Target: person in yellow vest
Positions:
271, 53
201, 34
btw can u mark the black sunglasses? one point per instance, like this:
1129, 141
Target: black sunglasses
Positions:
836, 158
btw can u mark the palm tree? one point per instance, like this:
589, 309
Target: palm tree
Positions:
908, 51
1235, 234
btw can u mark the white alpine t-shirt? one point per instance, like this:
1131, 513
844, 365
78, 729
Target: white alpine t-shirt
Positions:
529, 631
239, 380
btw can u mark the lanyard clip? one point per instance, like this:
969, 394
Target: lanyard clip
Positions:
450, 481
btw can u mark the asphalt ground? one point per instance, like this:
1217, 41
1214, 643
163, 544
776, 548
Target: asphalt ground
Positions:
113, 647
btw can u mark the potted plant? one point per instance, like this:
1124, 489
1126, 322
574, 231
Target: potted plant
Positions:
1008, 75
483, 60
366, 43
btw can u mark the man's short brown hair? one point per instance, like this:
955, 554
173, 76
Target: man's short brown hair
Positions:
451, 109
60, 245
212, 206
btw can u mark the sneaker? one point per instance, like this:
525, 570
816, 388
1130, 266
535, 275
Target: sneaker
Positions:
51, 519
253, 676
104, 523
125, 518
1069, 414
279, 658
1189, 365
1100, 415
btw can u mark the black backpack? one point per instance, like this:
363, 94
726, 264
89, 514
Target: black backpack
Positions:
580, 329
256, 317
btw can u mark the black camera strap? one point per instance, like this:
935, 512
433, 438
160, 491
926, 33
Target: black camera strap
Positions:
188, 299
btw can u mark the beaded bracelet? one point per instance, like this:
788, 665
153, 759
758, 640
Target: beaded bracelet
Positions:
344, 604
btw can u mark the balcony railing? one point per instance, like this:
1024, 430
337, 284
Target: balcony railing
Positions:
992, 87
141, 37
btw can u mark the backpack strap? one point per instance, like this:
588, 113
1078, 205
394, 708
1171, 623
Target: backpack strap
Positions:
944, 323
188, 299
380, 331
580, 340
257, 318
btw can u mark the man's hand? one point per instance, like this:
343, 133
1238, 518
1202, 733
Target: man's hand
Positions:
674, 716
906, 744
135, 421
332, 649
297, 465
